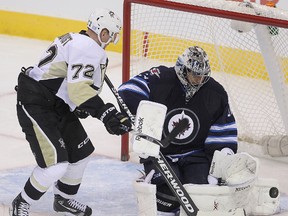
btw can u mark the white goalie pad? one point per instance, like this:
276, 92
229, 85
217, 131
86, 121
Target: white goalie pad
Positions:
260, 198
149, 120
216, 200
146, 198
266, 192
234, 212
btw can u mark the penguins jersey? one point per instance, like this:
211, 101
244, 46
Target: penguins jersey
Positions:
211, 123
73, 68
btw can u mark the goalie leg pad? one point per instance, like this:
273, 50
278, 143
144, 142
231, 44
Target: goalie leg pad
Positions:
211, 197
259, 198
267, 195
146, 198
234, 212
218, 200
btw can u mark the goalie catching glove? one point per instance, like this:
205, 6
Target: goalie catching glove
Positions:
234, 169
115, 122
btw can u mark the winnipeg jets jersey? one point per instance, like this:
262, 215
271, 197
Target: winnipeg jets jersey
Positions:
73, 68
211, 123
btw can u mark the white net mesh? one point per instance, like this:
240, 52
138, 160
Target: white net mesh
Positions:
239, 61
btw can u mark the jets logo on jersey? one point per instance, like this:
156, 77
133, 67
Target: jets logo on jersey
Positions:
173, 118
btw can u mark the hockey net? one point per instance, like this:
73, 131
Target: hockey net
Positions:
250, 59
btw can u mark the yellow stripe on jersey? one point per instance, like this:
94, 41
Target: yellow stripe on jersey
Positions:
42, 27
80, 92
56, 70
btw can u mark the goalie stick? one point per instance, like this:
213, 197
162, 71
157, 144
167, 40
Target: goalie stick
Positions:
161, 164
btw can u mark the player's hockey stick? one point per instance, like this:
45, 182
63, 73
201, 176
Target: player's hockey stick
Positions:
183, 123
119, 99
162, 165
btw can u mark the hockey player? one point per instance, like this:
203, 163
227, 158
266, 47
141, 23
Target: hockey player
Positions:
64, 85
188, 91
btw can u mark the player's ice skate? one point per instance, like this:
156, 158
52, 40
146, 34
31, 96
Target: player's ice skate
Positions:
19, 207
70, 207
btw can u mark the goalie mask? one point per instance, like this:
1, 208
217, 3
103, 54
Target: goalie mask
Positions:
105, 19
193, 70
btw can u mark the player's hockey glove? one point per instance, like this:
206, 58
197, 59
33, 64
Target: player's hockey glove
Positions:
115, 122
80, 113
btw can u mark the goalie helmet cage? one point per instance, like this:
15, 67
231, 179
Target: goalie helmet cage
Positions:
247, 45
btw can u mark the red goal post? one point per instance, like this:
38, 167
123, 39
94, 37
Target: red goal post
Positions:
252, 65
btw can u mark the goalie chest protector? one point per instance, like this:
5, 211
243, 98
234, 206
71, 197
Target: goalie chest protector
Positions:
207, 106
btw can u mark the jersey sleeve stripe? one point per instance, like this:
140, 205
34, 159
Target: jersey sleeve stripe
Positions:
140, 82
221, 127
133, 88
224, 139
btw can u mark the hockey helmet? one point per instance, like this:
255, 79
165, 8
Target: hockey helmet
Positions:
193, 70
105, 19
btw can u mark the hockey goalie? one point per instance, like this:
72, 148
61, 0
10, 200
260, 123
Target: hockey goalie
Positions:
187, 90
234, 185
